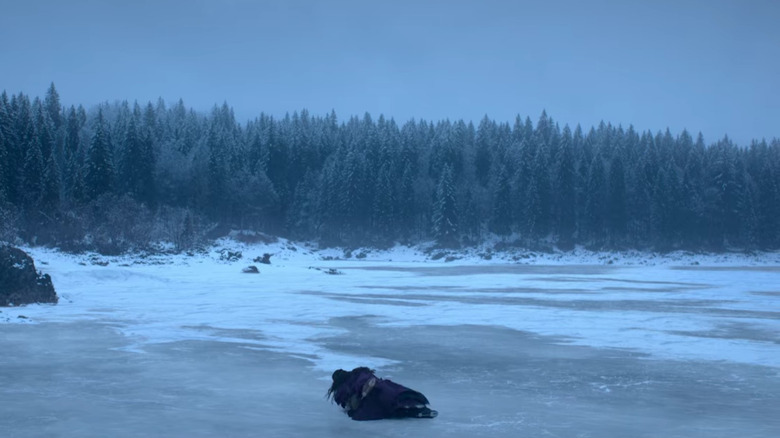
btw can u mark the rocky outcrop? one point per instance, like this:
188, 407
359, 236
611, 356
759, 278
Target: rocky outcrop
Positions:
266, 259
226, 255
20, 283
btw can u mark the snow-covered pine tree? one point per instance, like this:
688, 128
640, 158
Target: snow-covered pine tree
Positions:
594, 219
565, 189
406, 200
137, 160
767, 187
501, 220
445, 214
616, 199
5, 140
44, 129
99, 175
32, 174
53, 107
50, 190
383, 214
537, 195
483, 159
217, 176
72, 134
146, 184
129, 156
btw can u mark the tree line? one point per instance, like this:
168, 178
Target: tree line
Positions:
121, 176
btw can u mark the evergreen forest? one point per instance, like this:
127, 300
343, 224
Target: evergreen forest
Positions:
122, 176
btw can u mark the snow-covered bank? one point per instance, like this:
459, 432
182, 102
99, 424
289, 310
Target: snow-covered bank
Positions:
675, 306
309, 252
579, 256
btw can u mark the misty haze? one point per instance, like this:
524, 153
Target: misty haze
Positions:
556, 219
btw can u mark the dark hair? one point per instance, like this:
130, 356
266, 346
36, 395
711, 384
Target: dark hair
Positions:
340, 376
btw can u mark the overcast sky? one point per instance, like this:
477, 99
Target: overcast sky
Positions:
711, 66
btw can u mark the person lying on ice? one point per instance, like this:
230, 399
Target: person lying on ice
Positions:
366, 397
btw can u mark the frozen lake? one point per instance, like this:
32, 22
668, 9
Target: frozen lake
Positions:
194, 348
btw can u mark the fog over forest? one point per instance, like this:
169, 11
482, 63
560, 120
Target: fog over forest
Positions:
124, 175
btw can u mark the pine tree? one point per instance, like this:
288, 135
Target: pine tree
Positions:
76, 187
99, 177
406, 200
538, 195
3, 161
24, 123
72, 134
329, 197
583, 153
32, 176
726, 187
129, 159
303, 218
693, 205
19, 132
146, 187
353, 195
482, 154
383, 216
501, 220
445, 214
82, 115
53, 107
566, 191
645, 170
595, 203
217, 173
6, 135
252, 200
73, 177
137, 162
664, 208
50, 181
616, 204
768, 205
469, 221
278, 160
44, 129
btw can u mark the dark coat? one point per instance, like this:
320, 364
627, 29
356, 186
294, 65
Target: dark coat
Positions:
386, 399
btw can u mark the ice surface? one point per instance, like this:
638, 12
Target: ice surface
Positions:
589, 345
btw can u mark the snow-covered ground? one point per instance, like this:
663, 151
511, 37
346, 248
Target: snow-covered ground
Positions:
669, 306
701, 312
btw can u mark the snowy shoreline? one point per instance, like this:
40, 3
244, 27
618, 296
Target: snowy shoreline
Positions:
680, 306
307, 252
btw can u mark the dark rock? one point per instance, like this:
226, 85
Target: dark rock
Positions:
230, 256
97, 261
329, 271
20, 283
266, 259
251, 269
